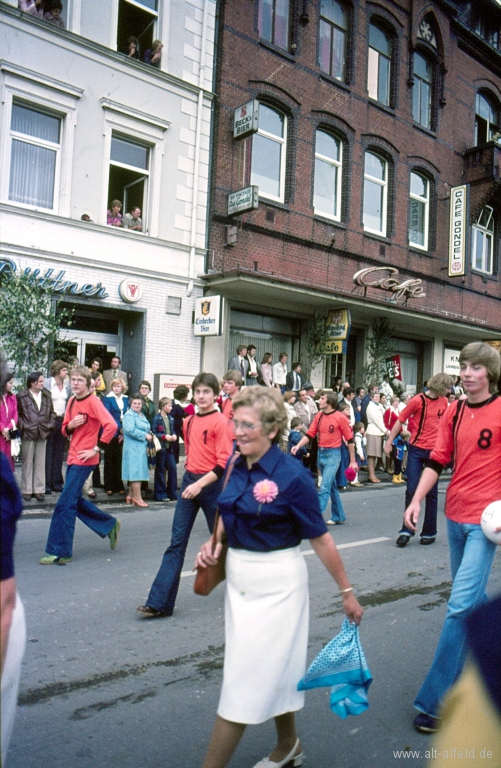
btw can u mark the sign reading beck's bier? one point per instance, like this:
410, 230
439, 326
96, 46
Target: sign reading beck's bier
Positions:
208, 316
246, 119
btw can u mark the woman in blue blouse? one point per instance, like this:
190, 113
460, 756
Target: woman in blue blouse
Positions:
137, 432
268, 506
117, 404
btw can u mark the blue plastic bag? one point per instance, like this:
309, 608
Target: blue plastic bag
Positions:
342, 665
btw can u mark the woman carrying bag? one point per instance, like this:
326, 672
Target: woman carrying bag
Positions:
8, 418
269, 505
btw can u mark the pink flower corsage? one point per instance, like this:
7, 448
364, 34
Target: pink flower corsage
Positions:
264, 492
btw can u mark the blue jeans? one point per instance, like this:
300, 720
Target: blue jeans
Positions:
328, 462
71, 505
416, 459
165, 462
164, 589
471, 555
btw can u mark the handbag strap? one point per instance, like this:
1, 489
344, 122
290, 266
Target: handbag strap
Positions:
229, 470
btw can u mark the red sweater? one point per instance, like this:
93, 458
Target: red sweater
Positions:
85, 437
423, 415
472, 435
331, 428
208, 443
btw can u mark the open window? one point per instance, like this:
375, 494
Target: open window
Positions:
129, 174
482, 241
486, 119
137, 18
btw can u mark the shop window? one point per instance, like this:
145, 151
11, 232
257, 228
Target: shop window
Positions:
269, 153
137, 18
375, 194
419, 211
129, 174
486, 119
482, 241
328, 172
379, 65
333, 32
422, 91
34, 157
273, 22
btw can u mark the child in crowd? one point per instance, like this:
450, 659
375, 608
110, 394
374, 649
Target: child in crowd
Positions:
399, 448
53, 12
162, 426
341, 481
295, 436
360, 443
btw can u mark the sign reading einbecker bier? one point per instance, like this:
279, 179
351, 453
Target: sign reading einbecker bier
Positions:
208, 316
244, 200
246, 119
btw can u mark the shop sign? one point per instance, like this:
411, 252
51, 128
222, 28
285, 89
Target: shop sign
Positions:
246, 119
54, 283
164, 384
451, 361
243, 200
458, 231
130, 290
208, 316
494, 343
394, 368
383, 278
337, 328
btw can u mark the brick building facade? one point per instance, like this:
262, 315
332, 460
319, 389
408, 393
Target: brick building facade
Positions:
371, 115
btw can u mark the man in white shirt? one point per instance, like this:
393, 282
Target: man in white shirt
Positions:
113, 373
133, 221
279, 372
348, 397
239, 362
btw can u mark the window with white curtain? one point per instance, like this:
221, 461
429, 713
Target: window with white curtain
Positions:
379, 64
375, 194
328, 160
482, 241
35, 156
269, 153
419, 206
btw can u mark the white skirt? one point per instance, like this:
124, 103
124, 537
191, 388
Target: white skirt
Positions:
266, 632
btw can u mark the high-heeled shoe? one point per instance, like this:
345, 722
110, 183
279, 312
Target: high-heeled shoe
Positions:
295, 760
139, 502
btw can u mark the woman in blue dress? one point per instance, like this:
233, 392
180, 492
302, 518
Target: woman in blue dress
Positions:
268, 506
137, 433
117, 404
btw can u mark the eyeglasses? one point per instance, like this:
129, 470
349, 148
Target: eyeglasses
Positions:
244, 426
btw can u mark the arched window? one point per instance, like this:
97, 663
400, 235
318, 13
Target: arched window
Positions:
269, 146
422, 91
375, 194
333, 31
273, 22
419, 210
379, 64
486, 119
482, 241
328, 172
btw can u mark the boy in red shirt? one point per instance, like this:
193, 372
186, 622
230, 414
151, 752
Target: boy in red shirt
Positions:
208, 447
330, 426
232, 384
85, 416
423, 413
470, 432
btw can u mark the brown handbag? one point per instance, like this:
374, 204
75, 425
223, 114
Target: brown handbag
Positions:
209, 577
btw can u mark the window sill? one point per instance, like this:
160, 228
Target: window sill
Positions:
273, 204
327, 220
379, 238
383, 107
485, 275
420, 251
279, 51
334, 81
427, 131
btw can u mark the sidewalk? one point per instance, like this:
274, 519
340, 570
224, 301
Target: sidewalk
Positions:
34, 507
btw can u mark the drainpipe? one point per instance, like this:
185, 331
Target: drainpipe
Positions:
193, 233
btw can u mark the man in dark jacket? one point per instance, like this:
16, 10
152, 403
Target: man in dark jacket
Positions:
36, 421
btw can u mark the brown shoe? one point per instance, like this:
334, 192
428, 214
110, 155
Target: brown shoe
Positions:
147, 612
39, 496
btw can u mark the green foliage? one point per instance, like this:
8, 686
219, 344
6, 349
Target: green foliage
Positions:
379, 347
29, 326
313, 342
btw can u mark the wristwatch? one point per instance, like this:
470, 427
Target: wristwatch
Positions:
96, 449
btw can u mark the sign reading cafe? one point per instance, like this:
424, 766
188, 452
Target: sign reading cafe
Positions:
385, 279
55, 283
208, 316
458, 229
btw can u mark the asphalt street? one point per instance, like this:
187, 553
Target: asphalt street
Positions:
101, 688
